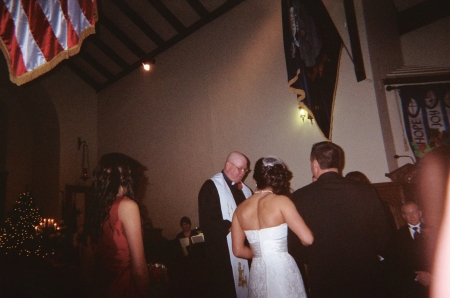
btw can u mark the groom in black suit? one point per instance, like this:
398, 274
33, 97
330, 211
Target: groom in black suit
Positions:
350, 228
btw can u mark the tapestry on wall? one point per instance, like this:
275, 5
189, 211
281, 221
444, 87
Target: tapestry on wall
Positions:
37, 35
312, 48
426, 114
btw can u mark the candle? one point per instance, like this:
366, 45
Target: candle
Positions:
54, 226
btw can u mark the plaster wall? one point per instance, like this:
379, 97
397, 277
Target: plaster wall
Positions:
428, 46
223, 89
76, 105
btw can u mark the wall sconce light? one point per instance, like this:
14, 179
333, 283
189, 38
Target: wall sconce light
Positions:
304, 114
84, 160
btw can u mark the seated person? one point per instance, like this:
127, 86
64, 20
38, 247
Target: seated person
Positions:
184, 237
187, 274
405, 258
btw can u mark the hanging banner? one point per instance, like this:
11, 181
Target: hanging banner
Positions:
312, 48
426, 113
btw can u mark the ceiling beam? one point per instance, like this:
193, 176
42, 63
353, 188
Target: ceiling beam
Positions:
227, 6
109, 52
85, 77
168, 15
96, 65
116, 31
138, 21
198, 7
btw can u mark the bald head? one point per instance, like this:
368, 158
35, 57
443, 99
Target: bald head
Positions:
411, 213
236, 166
236, 156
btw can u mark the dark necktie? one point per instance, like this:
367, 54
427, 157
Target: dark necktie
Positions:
416, 233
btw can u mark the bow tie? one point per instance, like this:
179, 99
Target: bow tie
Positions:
238, 185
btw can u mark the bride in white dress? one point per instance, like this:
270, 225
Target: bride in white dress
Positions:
264, 219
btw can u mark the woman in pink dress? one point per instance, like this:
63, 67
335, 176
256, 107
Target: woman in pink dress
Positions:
113, 229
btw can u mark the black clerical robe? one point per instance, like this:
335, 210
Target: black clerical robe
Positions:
215, 228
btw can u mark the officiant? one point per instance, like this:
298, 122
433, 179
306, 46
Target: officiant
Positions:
217, 200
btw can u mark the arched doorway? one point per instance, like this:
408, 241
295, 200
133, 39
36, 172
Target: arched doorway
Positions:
30, 138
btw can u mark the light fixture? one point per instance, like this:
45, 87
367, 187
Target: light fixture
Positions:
302, 114
147, 64
84, 159
305, 114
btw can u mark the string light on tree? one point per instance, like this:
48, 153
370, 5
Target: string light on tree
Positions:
18, 235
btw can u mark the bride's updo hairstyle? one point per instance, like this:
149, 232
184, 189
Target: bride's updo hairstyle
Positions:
270, 171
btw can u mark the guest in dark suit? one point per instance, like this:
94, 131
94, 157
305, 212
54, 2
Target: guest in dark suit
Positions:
350, 228
405, 260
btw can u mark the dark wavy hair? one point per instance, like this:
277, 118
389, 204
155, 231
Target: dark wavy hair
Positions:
113, 170
272, 172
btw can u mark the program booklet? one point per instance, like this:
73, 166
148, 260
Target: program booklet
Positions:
198, 238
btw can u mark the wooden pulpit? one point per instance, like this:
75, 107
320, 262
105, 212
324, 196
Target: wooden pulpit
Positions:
394, 194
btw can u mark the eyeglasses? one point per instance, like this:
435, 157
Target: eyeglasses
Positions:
240, 169
415, 212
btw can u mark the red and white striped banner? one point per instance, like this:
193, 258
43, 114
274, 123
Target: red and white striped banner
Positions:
38, 34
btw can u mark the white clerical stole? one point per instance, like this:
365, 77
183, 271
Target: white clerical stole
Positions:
228, 205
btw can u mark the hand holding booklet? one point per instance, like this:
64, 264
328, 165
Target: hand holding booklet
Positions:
198, 238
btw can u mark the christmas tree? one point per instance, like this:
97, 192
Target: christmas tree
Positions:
19, 236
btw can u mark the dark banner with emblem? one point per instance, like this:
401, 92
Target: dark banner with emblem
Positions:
426, 114
312, 48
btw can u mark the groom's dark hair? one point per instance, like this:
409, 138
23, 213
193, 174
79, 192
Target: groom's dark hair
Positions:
328, 155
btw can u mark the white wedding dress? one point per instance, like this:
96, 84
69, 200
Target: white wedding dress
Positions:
273, 272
